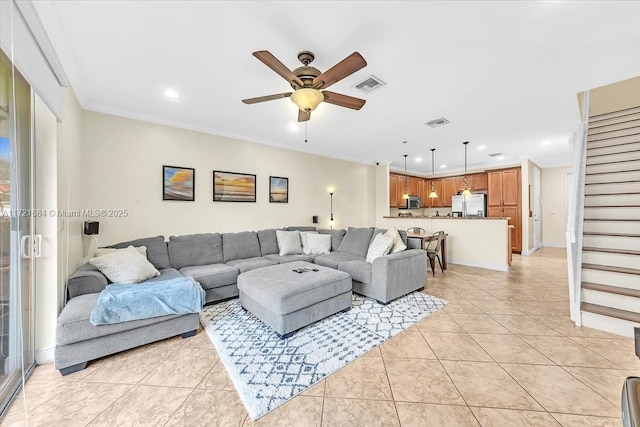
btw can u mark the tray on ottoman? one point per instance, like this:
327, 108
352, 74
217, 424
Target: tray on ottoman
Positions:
287, 300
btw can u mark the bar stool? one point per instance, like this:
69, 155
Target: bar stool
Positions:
433, 250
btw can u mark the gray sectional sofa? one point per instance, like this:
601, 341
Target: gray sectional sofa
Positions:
215, 260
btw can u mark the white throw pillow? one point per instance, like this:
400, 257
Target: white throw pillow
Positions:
303, 239
398, 244
380, 246
104, 251
318, 244
125, 266
289, 242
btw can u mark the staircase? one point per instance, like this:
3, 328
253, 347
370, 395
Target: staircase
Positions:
610, 274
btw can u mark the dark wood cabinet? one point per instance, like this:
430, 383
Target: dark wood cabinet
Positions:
504, 200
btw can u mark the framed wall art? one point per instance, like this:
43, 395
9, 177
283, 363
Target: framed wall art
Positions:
178, 183
233, 187
278, 189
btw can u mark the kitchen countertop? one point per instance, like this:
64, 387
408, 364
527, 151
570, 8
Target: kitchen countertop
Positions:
442, 217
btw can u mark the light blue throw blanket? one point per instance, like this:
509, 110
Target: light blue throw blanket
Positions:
122, 303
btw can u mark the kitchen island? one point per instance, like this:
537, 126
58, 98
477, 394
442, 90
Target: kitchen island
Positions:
472, 241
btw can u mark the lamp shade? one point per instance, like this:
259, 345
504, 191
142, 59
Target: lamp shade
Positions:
405, 196
307, 99
466, 192
433, 195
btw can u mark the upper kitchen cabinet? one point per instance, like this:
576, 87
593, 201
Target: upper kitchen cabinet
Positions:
448, 190
479, 181
393, 190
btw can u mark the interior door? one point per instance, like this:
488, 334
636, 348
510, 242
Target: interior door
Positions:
537, 225
16, 230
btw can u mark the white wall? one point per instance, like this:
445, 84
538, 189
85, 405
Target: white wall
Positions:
122, 169
554, 215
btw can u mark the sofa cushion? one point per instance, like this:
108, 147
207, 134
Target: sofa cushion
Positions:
249, 264
398, 244
356, 241
268, 241
334, 258
289, 242
301, 228
336, 237
380, 246
195, 249
74, 325
359, 270
240, 245
126, 266
157, 252
212, 276
317, 244
289, 258
303, 239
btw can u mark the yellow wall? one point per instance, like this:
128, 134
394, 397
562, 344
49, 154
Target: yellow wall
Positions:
122, 169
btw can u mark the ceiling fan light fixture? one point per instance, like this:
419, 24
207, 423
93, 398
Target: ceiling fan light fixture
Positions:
307, 99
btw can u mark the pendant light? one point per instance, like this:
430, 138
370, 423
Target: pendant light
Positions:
405, 196
466, 191
433, 194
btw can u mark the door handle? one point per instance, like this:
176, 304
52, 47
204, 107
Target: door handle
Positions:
25, 248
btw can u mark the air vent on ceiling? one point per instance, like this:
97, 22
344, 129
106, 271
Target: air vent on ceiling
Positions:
437, 122
369, 84
495, 155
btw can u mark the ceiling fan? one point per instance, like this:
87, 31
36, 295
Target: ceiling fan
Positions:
306, 82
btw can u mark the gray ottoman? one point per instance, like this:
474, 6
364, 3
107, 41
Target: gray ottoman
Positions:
287, 301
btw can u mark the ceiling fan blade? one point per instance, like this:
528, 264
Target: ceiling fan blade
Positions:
303, 116
342, 69
343, 100
272, 62
266, 98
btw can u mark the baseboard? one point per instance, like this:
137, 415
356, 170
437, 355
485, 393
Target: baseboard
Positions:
527, 252
554, 245
44, 355
488, 266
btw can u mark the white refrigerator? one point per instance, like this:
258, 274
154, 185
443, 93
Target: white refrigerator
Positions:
473, 205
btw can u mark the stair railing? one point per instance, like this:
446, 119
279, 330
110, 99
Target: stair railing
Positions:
575, 217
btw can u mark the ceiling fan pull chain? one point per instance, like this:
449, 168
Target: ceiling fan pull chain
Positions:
306, 124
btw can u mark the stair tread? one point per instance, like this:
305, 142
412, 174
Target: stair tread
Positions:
631, 181
611, 206
609, 154
612, 162
612, 114
599, 233
613, 194
611, 269
611, 251
602, 173
610, 312
611, 289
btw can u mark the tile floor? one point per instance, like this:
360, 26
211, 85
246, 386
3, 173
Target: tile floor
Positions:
502, 353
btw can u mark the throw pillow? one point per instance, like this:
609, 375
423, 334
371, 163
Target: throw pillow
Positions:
288, 242
318, 244
104, 251
380, 246
125, 266
303, 239
398, 244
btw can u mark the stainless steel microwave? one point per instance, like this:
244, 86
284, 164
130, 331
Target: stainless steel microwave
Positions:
413, 202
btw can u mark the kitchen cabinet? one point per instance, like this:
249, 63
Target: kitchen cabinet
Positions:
393, 190
412, 185
479, 181
448, 191
424, 188
504, 200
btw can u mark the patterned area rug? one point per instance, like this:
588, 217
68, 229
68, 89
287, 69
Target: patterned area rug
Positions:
267, 371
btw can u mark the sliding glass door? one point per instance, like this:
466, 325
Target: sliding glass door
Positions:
16, 230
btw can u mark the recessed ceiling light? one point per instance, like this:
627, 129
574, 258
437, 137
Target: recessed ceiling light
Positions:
500, 157
293, 127
418, 159
443, 166
482, 147
170, 93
